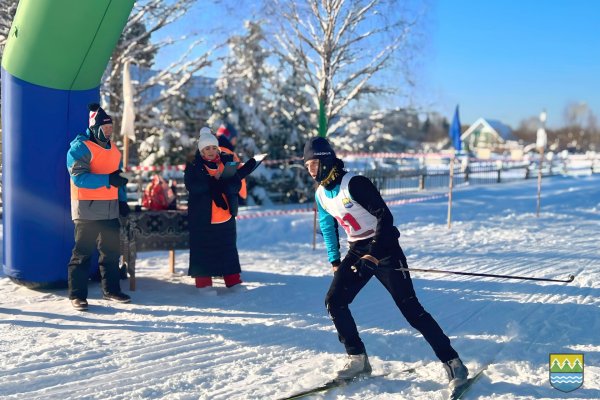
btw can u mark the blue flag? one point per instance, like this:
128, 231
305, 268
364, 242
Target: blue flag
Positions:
454, 131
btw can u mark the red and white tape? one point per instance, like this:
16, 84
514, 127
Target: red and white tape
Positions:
181, 167
273, 213
416, 199
142, 168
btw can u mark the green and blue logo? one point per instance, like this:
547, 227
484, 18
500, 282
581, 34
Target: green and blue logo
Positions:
566, 371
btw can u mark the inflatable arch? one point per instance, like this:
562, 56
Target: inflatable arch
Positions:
52, 66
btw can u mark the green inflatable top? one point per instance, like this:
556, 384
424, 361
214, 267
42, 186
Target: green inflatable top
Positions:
64, 44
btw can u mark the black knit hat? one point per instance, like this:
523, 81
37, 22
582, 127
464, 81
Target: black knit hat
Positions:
98, 117
318, 148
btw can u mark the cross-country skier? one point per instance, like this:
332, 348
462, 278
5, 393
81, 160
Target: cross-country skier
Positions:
355, 203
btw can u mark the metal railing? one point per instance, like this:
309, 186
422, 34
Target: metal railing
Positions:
399, 176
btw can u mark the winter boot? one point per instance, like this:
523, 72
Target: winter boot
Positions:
203, 281
204, 286
118, 297
357, 365
79, 304
232, 280
457, 372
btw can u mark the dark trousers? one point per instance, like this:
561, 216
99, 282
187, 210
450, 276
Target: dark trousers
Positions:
89, 235
346, 284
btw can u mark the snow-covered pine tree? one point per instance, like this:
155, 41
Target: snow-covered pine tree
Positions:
8, 8
292, 124
241, 90
159, 93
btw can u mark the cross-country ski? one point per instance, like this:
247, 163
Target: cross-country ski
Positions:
458, 392
333, 384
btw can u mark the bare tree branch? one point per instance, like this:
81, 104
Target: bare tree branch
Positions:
340, 46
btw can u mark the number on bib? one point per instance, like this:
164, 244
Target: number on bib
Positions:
347, 222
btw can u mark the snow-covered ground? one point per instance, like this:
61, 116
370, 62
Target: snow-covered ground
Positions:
275, 338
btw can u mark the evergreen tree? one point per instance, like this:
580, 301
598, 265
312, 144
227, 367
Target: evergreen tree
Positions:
241, 90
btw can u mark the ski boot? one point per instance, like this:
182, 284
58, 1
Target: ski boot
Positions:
457, 372
357, 365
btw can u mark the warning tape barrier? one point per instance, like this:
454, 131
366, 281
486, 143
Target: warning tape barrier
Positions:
273, 213
181, 167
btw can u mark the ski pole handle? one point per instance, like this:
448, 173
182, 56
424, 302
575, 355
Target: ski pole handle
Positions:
441, 271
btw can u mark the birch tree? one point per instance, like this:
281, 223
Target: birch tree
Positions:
340, 46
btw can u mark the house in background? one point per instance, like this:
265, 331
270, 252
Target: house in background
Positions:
486, 136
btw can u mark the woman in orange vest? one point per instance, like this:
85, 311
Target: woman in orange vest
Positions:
212, 207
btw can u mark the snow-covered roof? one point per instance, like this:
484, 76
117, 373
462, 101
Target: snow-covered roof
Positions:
503, 131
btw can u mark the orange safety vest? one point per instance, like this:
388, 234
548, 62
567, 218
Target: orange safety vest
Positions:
217, 214
104, 161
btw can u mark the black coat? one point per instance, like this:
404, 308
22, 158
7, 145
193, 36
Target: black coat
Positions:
213, 249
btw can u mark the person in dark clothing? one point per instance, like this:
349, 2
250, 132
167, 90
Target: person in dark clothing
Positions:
227, 136
97, 199
353, 202
212, 207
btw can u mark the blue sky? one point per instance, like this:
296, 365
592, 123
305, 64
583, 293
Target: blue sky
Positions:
510, 59
498, 59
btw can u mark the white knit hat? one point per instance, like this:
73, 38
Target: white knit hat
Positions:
207, 139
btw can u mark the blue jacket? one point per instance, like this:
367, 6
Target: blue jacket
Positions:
78, 165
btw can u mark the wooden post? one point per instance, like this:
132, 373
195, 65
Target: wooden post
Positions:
172, 261
539, 186
450, 186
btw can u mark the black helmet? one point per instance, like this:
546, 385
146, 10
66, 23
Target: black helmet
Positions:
318, 148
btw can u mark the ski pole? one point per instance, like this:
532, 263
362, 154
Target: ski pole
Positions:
441, 271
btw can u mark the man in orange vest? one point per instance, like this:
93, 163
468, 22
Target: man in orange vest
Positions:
97, 199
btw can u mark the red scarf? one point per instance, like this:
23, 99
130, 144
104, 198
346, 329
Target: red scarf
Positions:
215, 160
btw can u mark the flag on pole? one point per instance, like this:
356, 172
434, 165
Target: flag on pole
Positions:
541, 138
454, 131
128, 121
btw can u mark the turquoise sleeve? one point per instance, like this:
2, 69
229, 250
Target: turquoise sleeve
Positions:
329, 228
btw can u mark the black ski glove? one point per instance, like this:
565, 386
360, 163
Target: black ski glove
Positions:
216, 193
366, 265
116, 179
123, 209
335, 265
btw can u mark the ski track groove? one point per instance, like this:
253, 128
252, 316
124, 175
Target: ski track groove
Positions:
184, 362
129, 352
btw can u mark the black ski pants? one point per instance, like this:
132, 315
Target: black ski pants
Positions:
347, 284
89, 235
